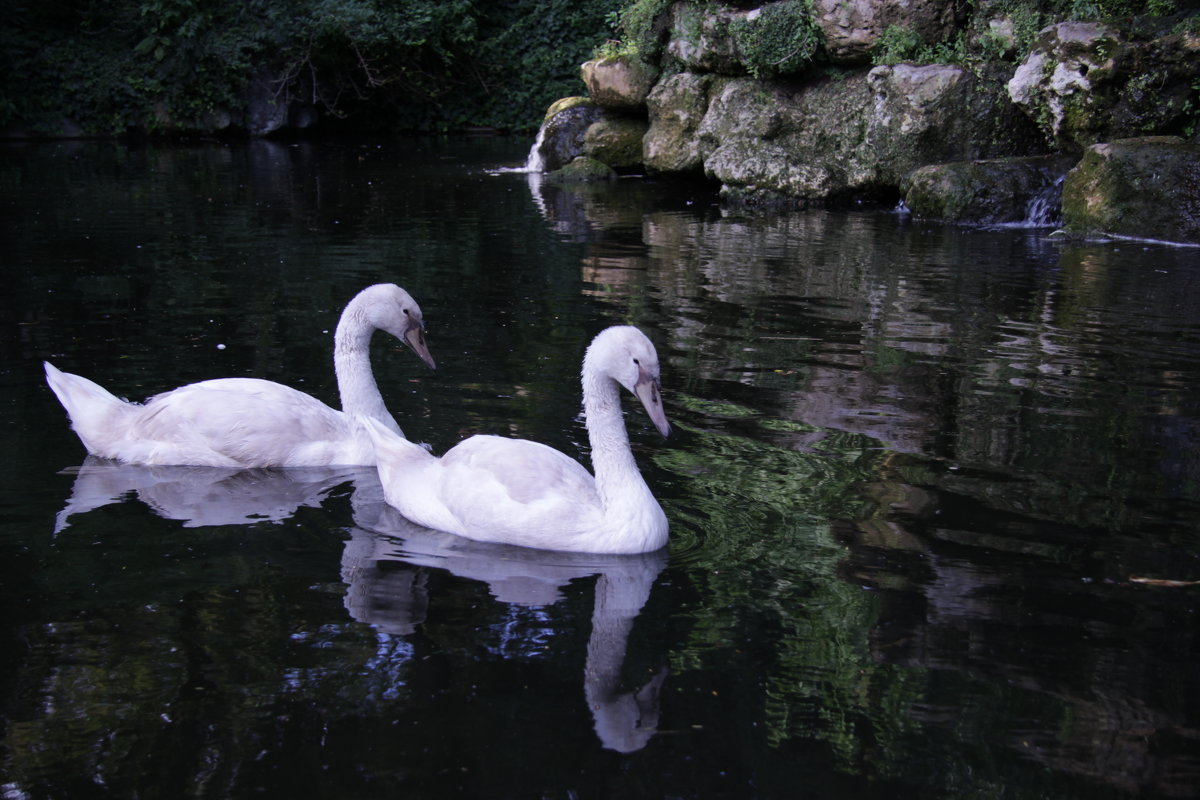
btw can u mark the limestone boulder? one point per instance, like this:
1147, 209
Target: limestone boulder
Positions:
1083, 82
265, 111
941, 113
1068, 82
834, 137
1157, 87
768, 40
619, 83
1144, 187
853, 28
677, 106
763, 139
616, 141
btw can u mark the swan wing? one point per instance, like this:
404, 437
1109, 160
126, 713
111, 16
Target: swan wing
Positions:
517, 491
247, 422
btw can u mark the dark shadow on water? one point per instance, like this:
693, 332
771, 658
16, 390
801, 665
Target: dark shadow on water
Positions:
1077, 630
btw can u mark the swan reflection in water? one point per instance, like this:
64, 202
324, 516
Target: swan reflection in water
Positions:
202, 496
386, 558
395, 600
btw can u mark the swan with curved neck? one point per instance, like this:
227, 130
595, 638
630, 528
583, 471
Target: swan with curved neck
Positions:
248, 422
524, 493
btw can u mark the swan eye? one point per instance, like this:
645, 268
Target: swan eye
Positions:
637, 361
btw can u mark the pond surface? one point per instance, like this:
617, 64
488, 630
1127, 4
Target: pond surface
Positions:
934, 494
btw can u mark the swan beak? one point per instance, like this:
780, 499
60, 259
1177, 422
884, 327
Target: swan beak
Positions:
647, 390
414, 337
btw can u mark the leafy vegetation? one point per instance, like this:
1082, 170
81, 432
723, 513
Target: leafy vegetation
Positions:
781, 39
169, 64
640, 25
1026, 18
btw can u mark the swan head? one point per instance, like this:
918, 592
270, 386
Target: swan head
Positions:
626, 355
389, 308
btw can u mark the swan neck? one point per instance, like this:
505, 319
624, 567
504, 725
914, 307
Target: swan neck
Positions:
612, 458
352, 365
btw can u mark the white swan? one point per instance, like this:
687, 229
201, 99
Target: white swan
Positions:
248, 422
515, 491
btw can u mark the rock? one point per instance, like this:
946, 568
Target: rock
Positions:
1157, 87
620, 83
777, 38
700, 40
1146, 188
834, 137
563, 131
941, 113
1002, 35
985, 192
854, 28
677, 106
582, 170
563, 103
1067, 81
616, 141
766, 138
216, 120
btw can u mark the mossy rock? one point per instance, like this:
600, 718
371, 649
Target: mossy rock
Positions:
565, 103
620, 82
563, 131
583, 170
616, 141
1144, 188
677, 106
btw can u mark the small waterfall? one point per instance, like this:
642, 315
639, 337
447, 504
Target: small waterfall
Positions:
534, 163
1044, 209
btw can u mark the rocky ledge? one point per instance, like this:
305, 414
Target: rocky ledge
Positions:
972, 142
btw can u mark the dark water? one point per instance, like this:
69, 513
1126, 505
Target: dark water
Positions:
933, 492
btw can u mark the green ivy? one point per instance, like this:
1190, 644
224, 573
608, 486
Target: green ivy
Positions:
782, 38
897, 44
641, 24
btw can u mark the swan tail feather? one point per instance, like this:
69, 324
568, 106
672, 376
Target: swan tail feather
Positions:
396, 457
95, 412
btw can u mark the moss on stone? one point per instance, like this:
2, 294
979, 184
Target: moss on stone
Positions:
583, 170
1146, 188
561, 105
